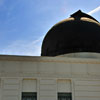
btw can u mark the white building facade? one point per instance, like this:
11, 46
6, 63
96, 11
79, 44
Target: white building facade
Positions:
49, 78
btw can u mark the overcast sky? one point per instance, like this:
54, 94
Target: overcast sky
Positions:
24, 23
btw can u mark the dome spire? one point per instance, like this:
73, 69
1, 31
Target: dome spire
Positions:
79, 14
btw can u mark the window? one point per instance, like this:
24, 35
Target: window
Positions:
64, 89
64, 96
29, 96
29, 89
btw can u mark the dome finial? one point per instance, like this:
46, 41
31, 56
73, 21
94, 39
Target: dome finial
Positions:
80, 14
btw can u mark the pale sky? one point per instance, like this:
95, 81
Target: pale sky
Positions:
24, 23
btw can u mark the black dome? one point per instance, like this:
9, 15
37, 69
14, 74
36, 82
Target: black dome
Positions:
79, 33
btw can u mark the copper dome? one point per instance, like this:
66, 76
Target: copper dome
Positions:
79, 33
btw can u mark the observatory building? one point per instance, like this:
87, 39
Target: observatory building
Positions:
68, 68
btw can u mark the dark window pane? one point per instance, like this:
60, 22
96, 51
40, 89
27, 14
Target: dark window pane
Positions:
29, 96
64, 96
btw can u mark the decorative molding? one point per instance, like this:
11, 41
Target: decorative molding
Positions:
50, 59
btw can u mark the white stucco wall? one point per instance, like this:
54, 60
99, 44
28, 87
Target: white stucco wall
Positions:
81, 76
